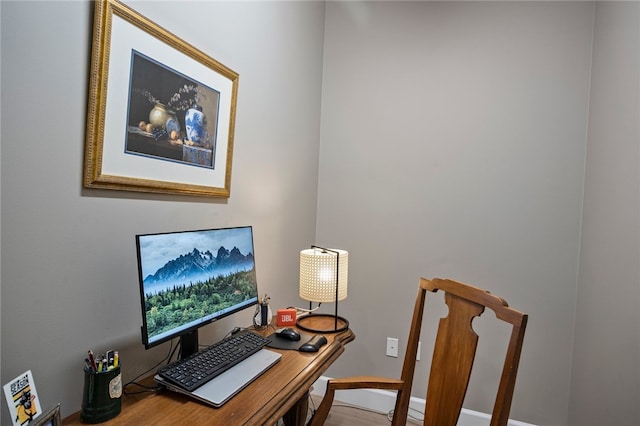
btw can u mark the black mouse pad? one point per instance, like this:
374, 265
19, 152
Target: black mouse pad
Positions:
278, 342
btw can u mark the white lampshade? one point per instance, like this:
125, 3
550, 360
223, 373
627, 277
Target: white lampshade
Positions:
318, 269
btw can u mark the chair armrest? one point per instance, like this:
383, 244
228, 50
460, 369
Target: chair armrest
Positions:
364, 382
346, 383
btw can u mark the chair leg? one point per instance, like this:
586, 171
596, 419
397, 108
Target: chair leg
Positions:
320, 416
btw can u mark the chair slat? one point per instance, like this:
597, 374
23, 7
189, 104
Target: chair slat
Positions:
455, 350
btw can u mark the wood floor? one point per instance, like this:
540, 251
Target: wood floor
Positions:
341, 415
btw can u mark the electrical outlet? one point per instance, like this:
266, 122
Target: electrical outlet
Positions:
392, 347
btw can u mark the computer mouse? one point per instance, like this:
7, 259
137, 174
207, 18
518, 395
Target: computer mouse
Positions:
289, 334
314, 344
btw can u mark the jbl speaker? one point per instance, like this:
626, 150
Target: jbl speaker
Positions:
286, 317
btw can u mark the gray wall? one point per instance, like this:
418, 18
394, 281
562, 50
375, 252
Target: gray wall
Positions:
451, 140
69, 275
453, 144
605, 385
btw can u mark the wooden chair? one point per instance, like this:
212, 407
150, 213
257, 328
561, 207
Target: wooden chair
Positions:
453, 356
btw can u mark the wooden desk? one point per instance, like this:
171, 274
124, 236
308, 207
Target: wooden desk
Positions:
281, 392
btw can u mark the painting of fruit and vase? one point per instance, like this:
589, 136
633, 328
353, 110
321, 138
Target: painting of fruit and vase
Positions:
161, 113
170, 116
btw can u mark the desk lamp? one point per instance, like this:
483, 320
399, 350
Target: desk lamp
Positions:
323, 278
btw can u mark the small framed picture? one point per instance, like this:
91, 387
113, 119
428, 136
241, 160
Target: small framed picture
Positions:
51, 417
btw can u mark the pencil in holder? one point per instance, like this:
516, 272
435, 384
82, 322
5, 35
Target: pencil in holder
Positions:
102, 395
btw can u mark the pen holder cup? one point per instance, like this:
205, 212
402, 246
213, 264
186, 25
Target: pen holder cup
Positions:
102, 395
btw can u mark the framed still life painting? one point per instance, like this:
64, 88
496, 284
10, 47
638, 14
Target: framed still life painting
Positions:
161, 113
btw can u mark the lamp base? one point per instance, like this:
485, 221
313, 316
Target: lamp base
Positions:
322, 323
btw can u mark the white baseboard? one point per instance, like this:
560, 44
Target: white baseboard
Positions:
382, 401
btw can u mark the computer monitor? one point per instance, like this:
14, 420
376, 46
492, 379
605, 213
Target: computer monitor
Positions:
189, 279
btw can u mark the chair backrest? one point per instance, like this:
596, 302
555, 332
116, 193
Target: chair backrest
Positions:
454, 353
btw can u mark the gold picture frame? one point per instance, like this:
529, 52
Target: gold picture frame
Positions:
161, 113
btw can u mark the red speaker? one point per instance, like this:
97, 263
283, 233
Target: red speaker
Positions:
286, 317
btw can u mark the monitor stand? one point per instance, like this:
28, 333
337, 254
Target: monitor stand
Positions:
188, 344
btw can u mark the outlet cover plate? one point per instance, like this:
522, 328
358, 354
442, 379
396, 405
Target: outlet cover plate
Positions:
392, 347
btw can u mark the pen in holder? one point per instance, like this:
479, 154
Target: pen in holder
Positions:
102, 395
262, 317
